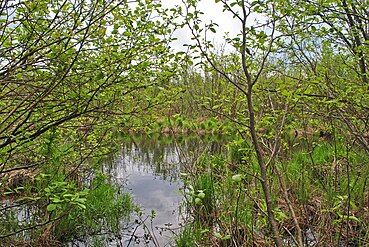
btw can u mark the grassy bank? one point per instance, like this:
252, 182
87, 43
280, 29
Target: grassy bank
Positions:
65, 196
321, 187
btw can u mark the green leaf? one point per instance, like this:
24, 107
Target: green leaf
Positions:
237, 178
51, 207
198, 200
56, 200
354, 218
80, 205
201, 195
68, 195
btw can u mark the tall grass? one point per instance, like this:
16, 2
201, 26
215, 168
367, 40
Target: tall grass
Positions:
326, 187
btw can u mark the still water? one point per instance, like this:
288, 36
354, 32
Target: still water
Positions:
150, 170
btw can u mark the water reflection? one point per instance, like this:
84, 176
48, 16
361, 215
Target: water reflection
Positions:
149, 168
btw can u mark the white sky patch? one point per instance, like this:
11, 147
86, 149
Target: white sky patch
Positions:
212, 12
229, 26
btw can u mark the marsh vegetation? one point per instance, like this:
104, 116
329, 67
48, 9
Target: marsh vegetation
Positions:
279, 113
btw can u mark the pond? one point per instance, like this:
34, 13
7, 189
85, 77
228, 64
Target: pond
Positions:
150, 170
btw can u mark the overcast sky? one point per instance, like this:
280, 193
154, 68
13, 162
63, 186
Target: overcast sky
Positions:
212, 11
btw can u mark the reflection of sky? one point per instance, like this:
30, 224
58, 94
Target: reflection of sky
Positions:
158, 195
153, 192
150, 190
149, 169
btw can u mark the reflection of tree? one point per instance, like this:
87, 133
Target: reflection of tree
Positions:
70, 73
166, 157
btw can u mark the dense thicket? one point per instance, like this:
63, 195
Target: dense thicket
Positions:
293, 85
72, 74
299, 70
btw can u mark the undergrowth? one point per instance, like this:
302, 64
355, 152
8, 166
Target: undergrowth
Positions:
326, 187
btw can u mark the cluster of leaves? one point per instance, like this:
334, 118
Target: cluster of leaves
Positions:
107, 210
72, 73
223, 197
299, 68
63, 193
